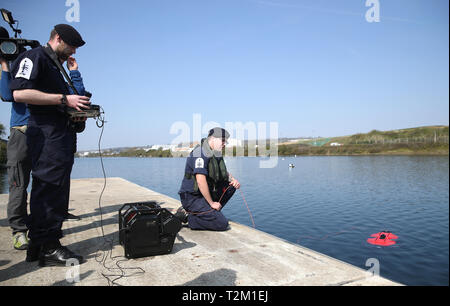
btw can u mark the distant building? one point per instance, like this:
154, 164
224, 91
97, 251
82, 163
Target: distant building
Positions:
182, 149
233, 142
335, 144
162, 147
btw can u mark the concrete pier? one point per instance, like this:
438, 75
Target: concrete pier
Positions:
241, 256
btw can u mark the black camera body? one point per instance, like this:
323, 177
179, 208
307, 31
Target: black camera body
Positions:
10, 48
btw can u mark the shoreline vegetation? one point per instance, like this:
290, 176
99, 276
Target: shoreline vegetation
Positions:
430, 140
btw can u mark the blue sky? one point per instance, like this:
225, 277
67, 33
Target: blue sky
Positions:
316, 67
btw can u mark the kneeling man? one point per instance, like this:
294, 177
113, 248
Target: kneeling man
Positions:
207, 186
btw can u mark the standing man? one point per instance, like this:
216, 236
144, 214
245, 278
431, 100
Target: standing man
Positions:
207, 186
19, 163
38, 82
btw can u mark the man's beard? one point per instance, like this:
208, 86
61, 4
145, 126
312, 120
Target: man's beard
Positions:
63, 54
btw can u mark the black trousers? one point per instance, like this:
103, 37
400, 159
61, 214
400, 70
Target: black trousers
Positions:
48, 209
50, 143
200, 214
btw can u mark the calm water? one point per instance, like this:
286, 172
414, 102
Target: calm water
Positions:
329, 204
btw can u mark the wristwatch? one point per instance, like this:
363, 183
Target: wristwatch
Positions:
64, 100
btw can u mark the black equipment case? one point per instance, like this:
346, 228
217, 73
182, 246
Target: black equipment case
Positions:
146, 229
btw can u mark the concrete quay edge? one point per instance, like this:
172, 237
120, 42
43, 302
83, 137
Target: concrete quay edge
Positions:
240, 256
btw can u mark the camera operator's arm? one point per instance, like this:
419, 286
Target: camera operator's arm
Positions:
5, 92
36, 97
4, 64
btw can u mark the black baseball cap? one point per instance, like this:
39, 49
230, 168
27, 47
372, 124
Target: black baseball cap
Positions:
218, 132
69, 35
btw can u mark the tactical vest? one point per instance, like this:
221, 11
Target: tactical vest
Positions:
217, 178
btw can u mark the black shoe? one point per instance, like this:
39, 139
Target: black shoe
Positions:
59, 257
182, 215
33, 252
72, 217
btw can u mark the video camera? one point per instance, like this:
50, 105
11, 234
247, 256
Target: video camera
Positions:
10, 48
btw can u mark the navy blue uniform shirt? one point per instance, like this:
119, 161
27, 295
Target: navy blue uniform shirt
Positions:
196, 163
34, 69
50, 139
